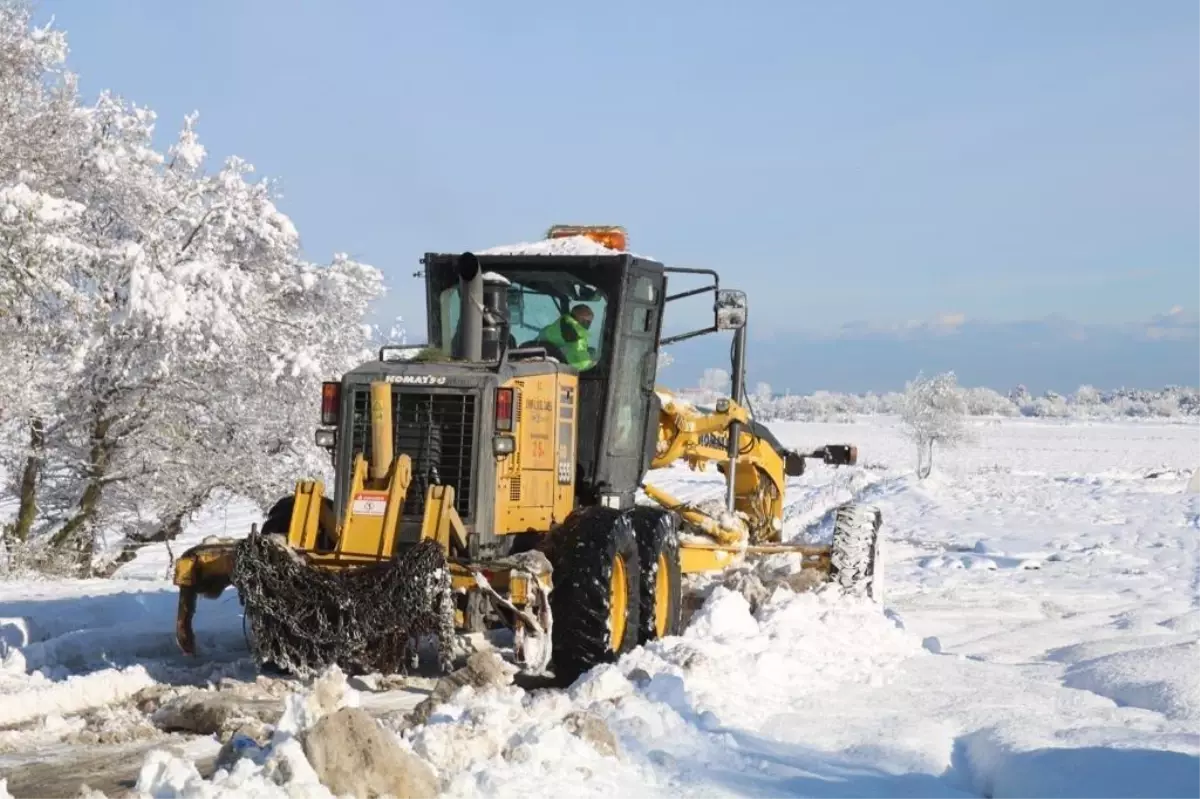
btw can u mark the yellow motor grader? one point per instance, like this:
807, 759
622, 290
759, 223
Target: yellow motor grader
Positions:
493, 476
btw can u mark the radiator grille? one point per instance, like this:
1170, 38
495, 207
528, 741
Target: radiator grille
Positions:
437, 431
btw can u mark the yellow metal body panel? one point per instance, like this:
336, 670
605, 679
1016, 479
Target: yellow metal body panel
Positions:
694, 560
204, 565
441, 521
535, 484
695, 557
305, 525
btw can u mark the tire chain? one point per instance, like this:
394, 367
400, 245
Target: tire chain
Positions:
365, 619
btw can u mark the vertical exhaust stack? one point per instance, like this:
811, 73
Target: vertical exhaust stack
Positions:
470, 278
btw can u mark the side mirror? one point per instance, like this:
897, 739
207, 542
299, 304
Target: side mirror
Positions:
730, 309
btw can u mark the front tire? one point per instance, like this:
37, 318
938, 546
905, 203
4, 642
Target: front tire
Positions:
855, 558
595, 599
661, 582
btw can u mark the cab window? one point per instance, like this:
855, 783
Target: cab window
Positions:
530, 311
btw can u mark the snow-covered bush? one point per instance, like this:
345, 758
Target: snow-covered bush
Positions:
165, 338
1088, 403
988, 402
762, 394
1051, 405
932, 413
716, 381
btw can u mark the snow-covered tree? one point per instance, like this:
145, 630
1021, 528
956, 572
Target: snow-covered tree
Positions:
41, 140
933, 412
168, 338
715, 380
1087, 396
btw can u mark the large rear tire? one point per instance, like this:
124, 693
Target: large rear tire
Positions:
595, 598
661, 582
856, 563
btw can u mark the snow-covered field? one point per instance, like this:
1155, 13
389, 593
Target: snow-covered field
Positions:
1039, 637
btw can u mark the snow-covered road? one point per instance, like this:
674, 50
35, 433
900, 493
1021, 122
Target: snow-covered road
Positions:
1039, 636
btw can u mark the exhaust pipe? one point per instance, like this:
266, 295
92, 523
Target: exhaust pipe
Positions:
470, 287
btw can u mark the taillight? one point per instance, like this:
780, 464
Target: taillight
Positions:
331, 396
504, 409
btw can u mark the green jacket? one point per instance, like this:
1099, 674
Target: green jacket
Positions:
570, 337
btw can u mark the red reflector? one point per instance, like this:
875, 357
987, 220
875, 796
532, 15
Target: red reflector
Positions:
331, 395
504, 409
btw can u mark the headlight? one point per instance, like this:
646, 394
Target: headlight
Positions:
503, 445
327, 438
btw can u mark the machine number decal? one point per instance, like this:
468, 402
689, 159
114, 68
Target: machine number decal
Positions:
369, 504
566, 425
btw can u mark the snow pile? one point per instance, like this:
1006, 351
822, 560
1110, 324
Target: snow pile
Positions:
670, 706
24, 699
1000, 765
1159, 678
279, 769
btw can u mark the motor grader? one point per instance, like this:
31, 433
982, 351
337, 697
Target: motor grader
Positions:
524, 475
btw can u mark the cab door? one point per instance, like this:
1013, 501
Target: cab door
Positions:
632, 410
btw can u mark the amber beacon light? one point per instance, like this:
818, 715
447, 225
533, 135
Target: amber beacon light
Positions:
611, 236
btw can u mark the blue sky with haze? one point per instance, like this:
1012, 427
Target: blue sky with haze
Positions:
1007, 189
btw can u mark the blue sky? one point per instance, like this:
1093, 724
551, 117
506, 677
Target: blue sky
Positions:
862, 170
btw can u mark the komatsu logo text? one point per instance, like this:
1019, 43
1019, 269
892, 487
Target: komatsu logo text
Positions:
418, 380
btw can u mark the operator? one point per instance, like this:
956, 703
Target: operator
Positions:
569, 333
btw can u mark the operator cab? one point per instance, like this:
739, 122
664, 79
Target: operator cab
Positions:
527, 294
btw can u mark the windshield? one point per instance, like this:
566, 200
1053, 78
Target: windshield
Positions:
537, 303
